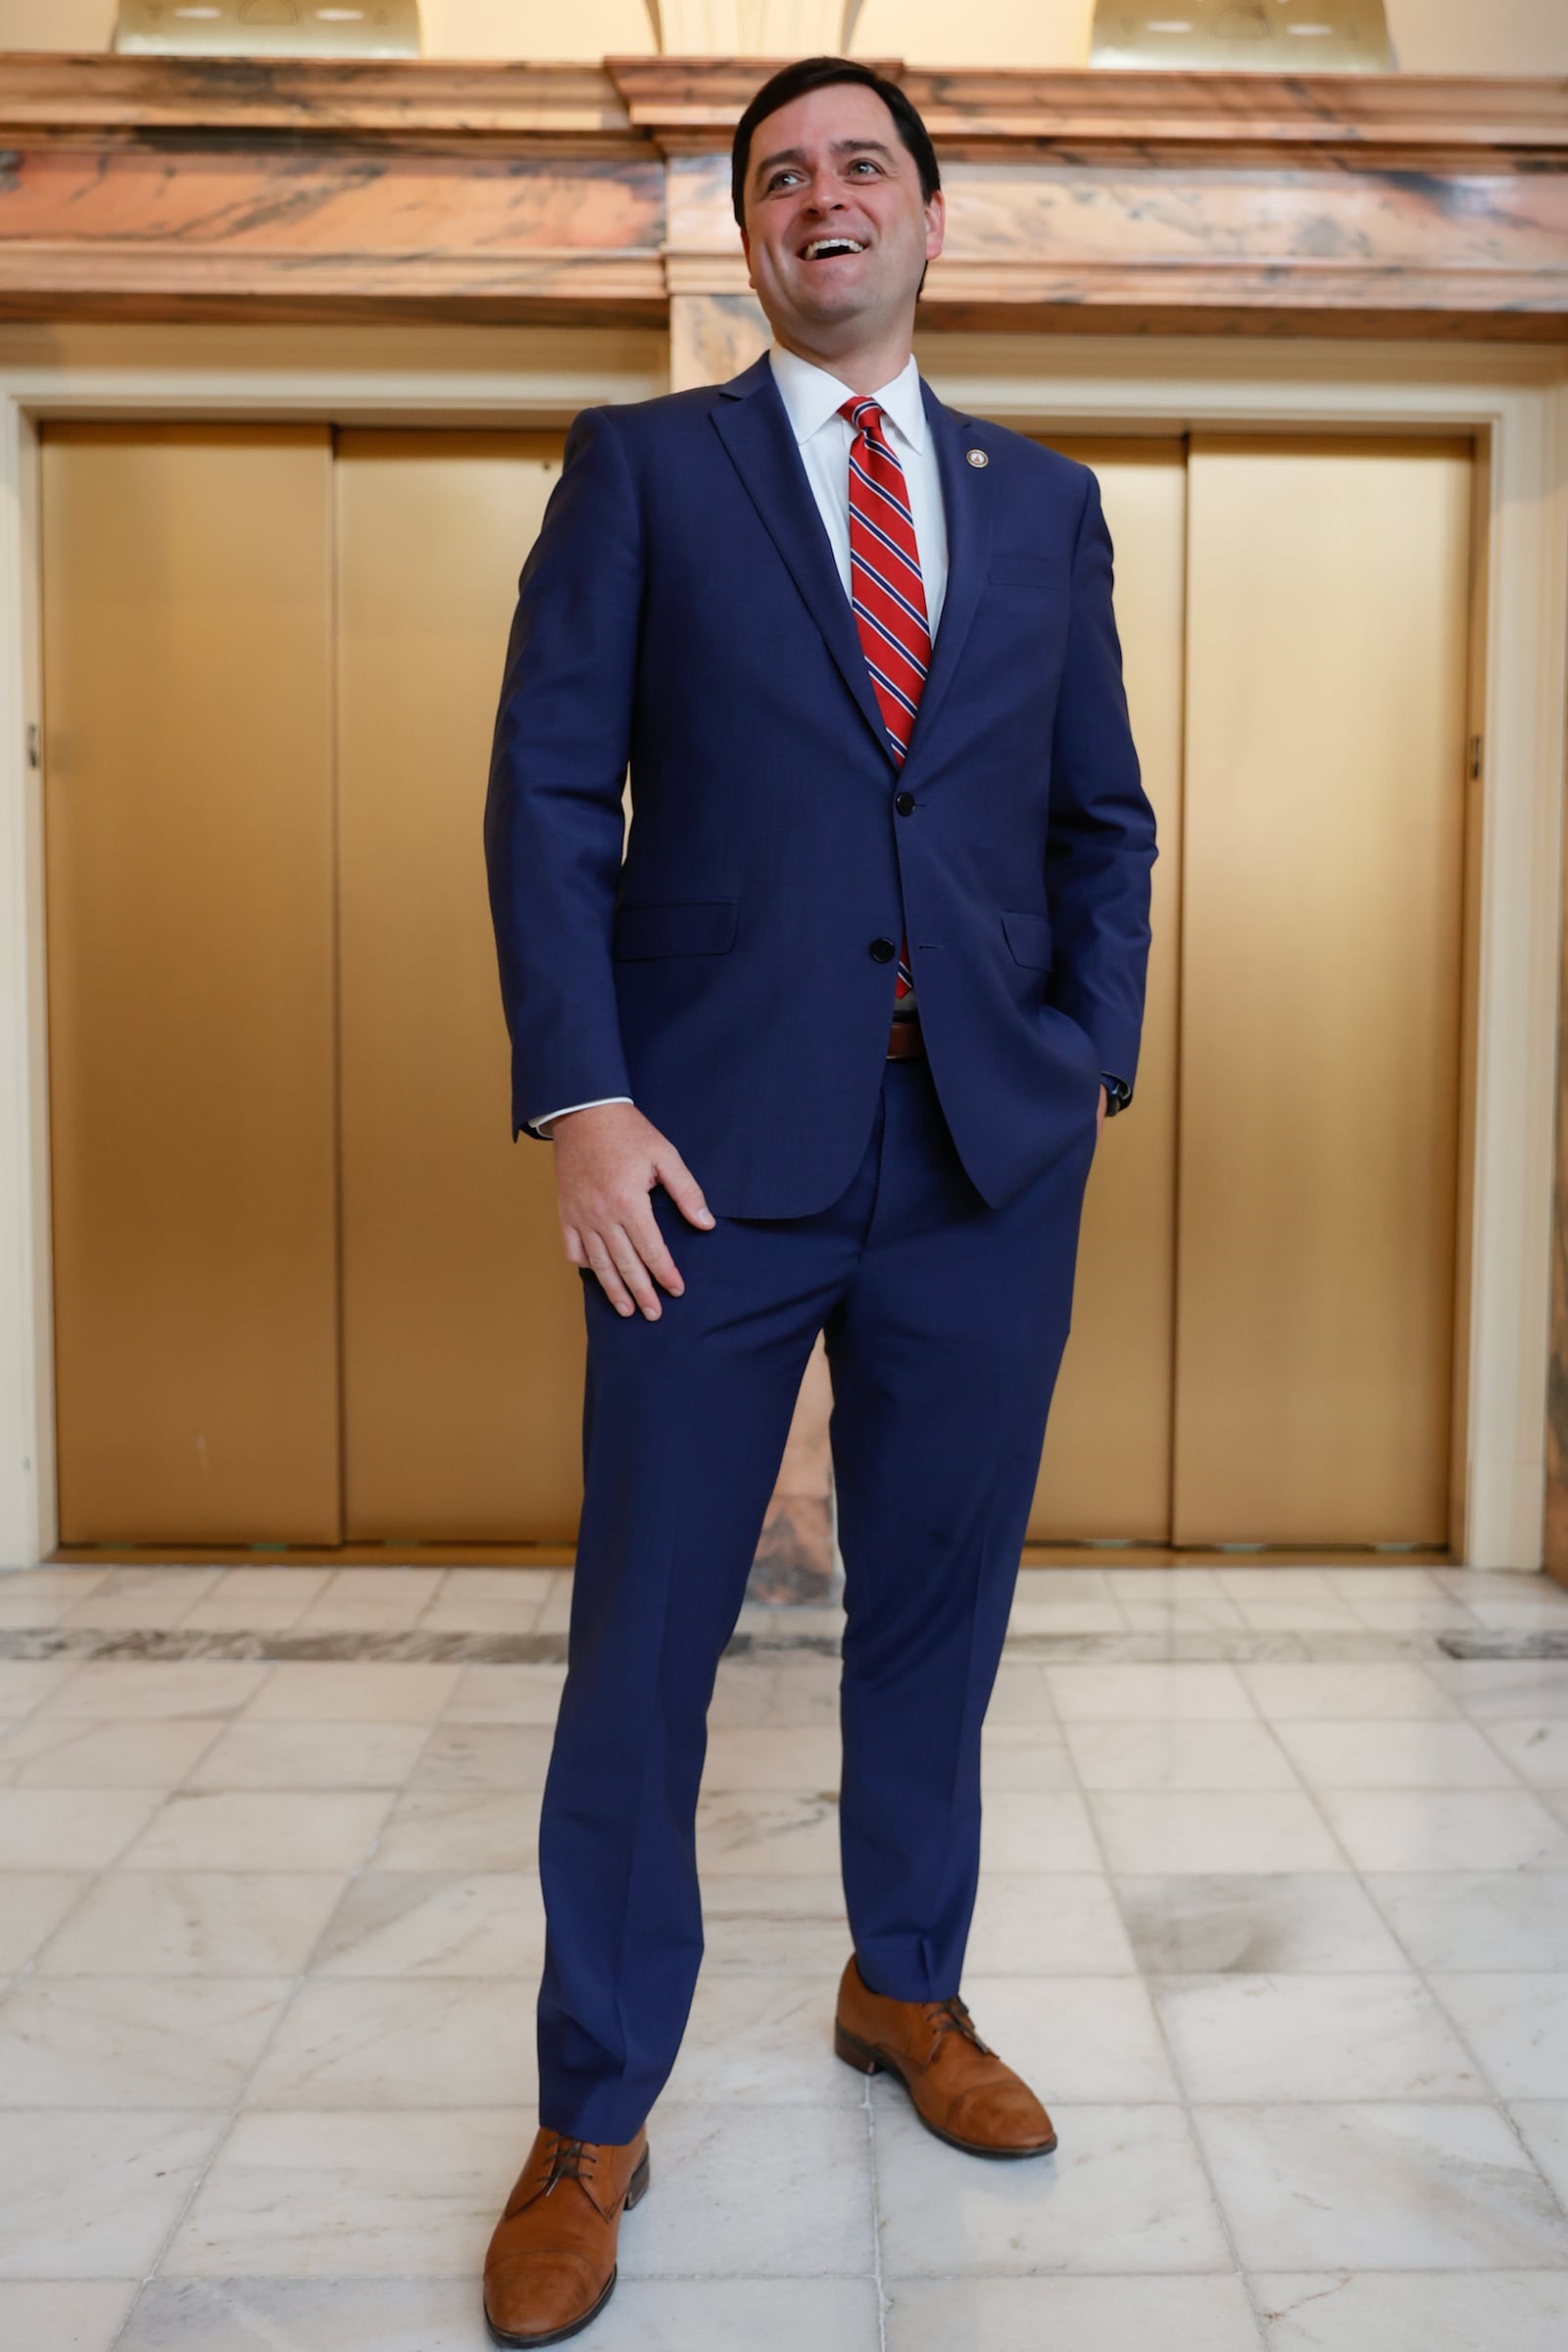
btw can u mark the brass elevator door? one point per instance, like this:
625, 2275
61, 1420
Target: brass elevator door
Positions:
1327, 665
1263, 1349
188, 855
462, 1336
308, 1287
1105, 1470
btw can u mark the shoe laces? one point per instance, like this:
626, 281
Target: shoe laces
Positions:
952, 2016
569, 2160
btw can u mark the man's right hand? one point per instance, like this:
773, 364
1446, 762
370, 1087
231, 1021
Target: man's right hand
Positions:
608, 1159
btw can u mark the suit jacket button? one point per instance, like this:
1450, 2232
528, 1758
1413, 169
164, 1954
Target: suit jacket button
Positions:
883, 951
904, 802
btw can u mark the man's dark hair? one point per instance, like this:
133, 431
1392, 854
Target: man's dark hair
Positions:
819, 74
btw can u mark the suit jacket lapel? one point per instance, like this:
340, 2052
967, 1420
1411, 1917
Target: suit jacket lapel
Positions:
968, 506
755, 428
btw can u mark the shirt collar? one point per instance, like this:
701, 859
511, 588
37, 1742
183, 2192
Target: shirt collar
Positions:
810, 396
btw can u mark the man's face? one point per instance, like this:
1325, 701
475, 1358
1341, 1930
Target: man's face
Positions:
837, 233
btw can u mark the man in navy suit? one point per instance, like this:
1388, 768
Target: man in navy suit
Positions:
828, 1049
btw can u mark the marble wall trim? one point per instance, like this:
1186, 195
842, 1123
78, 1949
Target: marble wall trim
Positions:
818, 1630
194, 188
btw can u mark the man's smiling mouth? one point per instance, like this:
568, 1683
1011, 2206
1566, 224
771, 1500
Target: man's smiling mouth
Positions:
824, 248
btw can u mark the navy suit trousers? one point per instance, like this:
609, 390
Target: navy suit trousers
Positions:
945, 1322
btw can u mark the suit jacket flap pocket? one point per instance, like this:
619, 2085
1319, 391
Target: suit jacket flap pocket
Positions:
674, 927
1029, 938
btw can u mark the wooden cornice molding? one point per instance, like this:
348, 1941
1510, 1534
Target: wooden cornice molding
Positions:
1334, 203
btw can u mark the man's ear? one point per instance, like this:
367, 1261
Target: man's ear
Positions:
936, 222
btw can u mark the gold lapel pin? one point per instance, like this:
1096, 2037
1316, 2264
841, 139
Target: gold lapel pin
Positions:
977, 457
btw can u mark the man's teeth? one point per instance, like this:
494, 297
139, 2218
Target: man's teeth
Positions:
819, 245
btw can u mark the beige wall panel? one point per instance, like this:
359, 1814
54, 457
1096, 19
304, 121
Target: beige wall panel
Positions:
1106, 1468
58, 24
461, 1319
1327, 637
535, 29
186, 575
1428, 36
1455, 36
988, 33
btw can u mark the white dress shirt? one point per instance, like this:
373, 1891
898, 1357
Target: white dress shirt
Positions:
811, 398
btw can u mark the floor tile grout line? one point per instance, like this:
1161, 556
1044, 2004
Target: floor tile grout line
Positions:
21, 1976
1424, 1975
1483, 1724
1484, 2272
796, 2103
1494, 2100
875, 2179
1184, 2099
222, 1724
285, 2009
105, 1870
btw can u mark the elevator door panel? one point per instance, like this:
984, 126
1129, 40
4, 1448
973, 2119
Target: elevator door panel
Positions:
1327, 661
461, 1319
188, 821
1106, 1468
307, 1285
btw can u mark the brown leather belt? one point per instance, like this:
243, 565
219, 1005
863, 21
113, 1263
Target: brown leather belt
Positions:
905, 1040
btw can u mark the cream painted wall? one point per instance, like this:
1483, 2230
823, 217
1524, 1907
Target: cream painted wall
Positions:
985, 32
56, 24
537, 29
534, 28
1430, 36
540, 29
1455, 36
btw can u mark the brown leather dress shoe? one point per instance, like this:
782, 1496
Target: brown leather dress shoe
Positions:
960, 2088
551, 2260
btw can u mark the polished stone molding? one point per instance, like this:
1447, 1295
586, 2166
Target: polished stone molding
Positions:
817, 1636
1327, 203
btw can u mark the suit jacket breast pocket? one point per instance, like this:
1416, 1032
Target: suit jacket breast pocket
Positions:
1022, 567
674, 927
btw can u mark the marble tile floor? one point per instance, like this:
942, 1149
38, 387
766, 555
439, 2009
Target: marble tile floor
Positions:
1274, 1914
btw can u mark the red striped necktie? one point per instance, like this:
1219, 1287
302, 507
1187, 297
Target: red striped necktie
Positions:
886, 590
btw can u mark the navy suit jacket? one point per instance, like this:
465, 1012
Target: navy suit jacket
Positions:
682, 611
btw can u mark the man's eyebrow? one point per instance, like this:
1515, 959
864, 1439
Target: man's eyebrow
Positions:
796, 155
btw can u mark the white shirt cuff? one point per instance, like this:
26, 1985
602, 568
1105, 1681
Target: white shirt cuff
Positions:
541, 1126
